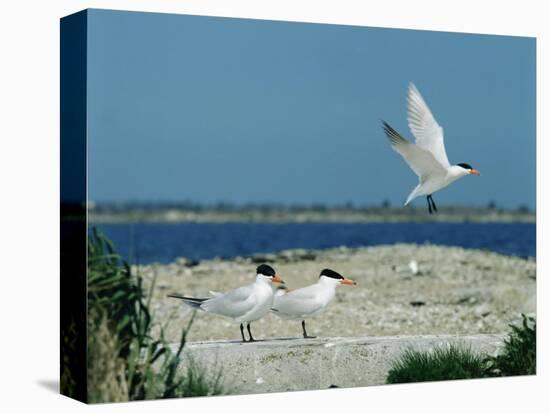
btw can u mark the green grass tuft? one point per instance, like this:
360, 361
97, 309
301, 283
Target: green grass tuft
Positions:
450, 363
519, 356
125, 362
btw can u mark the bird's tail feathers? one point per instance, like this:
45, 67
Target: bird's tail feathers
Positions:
413, 194
193, 302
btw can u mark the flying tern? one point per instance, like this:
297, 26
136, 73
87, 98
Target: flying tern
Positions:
427, 156
309, 301
244, 304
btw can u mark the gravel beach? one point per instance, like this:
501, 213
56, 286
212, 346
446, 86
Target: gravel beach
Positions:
452, 291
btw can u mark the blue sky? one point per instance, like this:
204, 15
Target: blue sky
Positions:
213, 109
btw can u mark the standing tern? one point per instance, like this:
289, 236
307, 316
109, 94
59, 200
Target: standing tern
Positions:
244, 304
427, 156
309, 301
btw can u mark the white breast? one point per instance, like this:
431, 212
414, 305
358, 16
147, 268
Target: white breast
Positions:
263, 296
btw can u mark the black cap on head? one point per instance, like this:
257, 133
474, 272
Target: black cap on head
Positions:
465, 166
265, 269
331, 274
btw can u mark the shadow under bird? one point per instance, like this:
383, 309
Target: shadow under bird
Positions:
426, 157
244, 304
309, 301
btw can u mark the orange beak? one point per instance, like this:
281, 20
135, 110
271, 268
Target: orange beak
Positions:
347, 281
277, 279
475, 172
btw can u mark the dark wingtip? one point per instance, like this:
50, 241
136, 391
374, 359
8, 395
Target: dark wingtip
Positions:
183, 297
391, 133
387, 128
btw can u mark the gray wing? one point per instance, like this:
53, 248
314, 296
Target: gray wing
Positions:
298, 302
427, 132
422, 162
233, 303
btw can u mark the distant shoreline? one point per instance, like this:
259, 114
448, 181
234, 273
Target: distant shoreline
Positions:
304, 215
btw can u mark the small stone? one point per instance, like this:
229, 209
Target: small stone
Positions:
482, 310
262, 258
186, 262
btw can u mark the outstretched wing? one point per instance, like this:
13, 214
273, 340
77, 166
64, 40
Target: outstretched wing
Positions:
421, 161
428, 134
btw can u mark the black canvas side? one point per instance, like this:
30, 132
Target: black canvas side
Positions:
73, 236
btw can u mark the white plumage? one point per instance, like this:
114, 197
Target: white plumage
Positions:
427, 156
309, 301
244, 304
427, 132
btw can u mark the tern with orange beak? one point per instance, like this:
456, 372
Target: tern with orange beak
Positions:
309, 301
427, 156
244, 304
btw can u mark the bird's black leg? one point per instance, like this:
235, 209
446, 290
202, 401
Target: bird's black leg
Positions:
242, 333
304, 328
433, 204
429, 204
249, 333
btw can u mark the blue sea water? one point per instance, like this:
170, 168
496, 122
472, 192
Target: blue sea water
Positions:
163, 243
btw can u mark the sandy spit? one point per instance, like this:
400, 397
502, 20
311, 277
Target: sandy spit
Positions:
454, 291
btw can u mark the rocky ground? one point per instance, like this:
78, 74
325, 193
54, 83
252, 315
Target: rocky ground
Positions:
451, 291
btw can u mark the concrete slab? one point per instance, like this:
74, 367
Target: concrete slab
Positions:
287, 364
